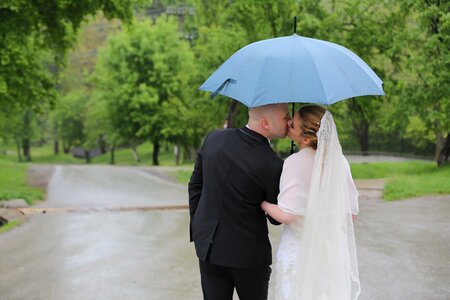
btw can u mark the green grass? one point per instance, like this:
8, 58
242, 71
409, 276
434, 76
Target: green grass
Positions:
385, 169
44, 155
125, 156
183, 176
13, 182
406, 179
433, 181
10, 225
403, 179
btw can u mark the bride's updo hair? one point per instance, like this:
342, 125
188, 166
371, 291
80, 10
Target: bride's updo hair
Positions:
310, 117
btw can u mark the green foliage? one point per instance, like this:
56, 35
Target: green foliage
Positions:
71, 116
145, 84
224, 27
418, 132
428, 65
24, 79
145, 74
36, 36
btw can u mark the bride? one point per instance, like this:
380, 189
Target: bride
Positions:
318, 202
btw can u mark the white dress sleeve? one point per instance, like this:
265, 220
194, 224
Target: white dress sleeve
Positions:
294, 184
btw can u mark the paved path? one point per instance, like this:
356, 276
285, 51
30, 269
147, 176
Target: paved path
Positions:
403, 246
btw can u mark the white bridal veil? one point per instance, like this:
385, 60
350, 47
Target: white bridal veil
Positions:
328, 264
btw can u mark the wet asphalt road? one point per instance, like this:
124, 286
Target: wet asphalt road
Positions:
403, 246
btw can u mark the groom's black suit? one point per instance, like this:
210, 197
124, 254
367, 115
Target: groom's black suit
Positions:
236, 169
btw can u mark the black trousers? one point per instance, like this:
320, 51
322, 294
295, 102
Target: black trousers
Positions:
218, 283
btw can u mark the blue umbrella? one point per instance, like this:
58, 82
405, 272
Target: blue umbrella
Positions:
293, 69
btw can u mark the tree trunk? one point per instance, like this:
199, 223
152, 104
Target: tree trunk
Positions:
112, 160
186, 154
26, 136
231, 118
439, 145
446, 150
364, 136
87, 156
176, 154
66, 148
102, 144
360, 125
442, 148
190, 153
19, 152
155, 153
26, 149
136, 155
361, 128
55, 140
55, 147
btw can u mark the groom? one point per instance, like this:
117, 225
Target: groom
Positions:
235, 170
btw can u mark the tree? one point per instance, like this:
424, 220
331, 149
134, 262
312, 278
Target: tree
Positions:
21, 128
76, 76
428, 89
144, 73
71, 116
30, 28
361, 27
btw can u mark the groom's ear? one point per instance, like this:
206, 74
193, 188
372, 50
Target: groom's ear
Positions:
265, 123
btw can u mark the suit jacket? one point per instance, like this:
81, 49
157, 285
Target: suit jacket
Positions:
235, 170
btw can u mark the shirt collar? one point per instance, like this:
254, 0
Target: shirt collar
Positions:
248, 131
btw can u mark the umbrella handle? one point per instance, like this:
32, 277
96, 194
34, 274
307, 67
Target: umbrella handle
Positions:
295, 24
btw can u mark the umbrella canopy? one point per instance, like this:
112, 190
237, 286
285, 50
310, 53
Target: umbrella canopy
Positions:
293, 69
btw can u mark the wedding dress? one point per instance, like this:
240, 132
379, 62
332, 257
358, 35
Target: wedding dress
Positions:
316, 258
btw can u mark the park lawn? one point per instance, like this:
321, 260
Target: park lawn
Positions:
44, 155
145, 150
433, 181
406, 179
387, 169
13, 183
403, 179
183, 176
